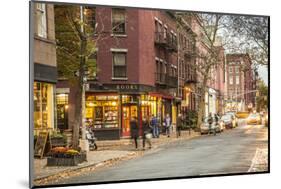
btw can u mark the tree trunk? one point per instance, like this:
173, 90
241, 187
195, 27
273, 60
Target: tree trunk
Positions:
201, 110
79, 93
77, 114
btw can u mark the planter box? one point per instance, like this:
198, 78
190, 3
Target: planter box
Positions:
58, 141
66, 161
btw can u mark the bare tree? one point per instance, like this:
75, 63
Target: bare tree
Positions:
250, 34
207, 52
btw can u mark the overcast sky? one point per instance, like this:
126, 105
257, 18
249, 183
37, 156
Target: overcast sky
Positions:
263, 73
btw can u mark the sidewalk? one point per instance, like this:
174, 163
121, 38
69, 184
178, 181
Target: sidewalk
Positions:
108, 153
123, 144
260, 161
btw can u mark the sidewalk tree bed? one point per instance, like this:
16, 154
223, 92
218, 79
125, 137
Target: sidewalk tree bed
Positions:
190, 121
62, 156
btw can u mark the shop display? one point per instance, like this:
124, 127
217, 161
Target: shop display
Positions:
102, 112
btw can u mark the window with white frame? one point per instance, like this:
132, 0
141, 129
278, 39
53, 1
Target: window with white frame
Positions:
118, 21
230, 69
165, 32
119, 64
40, 20
230, 80
237, 69
237, 80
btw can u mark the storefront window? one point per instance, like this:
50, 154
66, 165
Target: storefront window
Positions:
148, 104
43, 105
102, 111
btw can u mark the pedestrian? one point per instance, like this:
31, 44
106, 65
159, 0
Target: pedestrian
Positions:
147, 135
168, 124
134, 130
158, 126
210, 121
154, 124
179, 125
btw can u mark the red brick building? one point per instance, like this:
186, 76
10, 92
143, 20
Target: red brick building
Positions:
241, 81
137, 59
145, 66
187, 76
137, 70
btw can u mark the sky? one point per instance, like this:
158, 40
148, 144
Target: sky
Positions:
263, 73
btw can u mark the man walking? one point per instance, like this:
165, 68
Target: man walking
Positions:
179, 125
168, 123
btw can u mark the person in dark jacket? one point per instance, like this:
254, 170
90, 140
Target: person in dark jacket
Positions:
134, 130
210, 121
146, 132
154, 124
179, 125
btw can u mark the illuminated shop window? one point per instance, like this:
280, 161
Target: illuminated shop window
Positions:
102, 111
43, 105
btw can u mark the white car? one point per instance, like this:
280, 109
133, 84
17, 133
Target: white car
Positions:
216, 126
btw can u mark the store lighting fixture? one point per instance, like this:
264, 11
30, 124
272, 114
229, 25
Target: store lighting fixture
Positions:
91, 104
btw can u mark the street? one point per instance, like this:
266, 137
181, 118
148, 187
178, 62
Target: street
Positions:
229, 152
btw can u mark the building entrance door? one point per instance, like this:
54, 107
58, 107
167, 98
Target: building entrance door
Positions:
128, 112
62, 117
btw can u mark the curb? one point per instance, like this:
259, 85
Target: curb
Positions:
112, 161
77, 171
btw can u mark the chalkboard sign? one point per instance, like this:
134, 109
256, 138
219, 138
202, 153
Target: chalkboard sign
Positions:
40, 144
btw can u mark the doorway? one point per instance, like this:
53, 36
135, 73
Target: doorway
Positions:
128, 111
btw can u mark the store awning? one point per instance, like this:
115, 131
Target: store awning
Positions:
160, 95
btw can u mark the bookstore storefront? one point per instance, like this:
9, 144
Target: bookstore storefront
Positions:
110, 113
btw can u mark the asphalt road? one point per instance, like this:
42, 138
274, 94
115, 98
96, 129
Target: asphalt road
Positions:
229, 152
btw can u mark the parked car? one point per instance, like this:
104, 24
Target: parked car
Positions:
254, 118
235, 119
229, 121
217, 126
221, 124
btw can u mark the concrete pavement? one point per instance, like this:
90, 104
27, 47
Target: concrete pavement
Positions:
229, 152
108, 153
